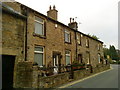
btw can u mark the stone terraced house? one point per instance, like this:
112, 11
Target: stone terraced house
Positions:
29, 36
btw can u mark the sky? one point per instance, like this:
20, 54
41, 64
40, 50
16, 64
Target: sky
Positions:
95, 17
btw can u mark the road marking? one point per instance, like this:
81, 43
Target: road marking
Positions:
74, 82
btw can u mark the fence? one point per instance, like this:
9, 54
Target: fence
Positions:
48, 71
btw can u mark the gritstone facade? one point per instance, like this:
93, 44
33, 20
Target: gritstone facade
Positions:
30, 36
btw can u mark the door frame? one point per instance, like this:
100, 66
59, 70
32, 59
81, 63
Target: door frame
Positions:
56, 53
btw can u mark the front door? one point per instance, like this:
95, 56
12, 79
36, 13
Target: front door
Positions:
88, 57
80, 58
56, 62
7, 71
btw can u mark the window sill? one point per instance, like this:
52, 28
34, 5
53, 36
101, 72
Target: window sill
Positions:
68, 42
38, 35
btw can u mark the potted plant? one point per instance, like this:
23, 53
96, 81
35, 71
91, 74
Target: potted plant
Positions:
75, 65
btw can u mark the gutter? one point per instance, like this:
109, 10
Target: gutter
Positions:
11, 11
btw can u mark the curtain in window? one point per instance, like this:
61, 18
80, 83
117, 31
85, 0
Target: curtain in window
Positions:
39, 58
67, 37
67, 60
39, 28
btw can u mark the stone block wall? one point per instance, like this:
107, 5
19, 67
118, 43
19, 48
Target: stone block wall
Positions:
52, 81
28, 76
84, 73
24, 75
101, 68
81, 74
13, 37
52, 41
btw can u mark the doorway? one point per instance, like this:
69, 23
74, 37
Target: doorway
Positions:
88, 57
56, 62
7, 71
80, 58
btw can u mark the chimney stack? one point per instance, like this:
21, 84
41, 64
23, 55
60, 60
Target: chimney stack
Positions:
73, 24
52, 13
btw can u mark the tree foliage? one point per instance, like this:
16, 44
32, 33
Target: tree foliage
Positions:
93, 36
112, 52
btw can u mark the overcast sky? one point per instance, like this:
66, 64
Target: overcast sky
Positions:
98, 17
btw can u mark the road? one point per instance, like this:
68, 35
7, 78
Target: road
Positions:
107, 79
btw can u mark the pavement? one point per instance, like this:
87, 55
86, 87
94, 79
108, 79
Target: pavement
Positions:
105, 79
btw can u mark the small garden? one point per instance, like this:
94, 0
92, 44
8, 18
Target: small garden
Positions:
48, 71
78, 66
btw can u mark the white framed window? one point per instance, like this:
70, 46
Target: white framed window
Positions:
67, 57
98, 46
67, 36
88, 57
39, 26
39, 55
87, 43
81, 35
98, 57
79, 39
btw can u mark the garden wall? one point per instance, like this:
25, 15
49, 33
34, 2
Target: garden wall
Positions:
29, 76
101, 68
81, 74
52, 81
84, 73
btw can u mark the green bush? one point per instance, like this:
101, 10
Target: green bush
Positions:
118, 62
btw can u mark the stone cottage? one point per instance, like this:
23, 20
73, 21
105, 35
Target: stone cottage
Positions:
29, 36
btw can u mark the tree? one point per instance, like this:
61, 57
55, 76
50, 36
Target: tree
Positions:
113, 53
106, 52
93, 36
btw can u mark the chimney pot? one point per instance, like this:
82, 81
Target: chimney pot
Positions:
70, 20
73, 19
50, 7
54, 7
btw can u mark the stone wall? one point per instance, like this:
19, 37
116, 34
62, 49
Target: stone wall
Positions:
28, 76
53, 81
24, 75
92, 49
13, 28
13, 37
101, 68
81, 74
52, 41
84, 73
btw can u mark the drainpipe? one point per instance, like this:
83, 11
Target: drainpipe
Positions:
26, 35
76, 43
